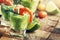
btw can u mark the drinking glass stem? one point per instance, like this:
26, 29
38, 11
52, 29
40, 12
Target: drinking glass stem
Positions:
25, 36
23, 32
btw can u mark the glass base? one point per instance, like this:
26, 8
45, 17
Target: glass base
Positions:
4, 22
20, 33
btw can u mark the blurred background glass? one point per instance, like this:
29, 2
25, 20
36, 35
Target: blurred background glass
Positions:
57, 2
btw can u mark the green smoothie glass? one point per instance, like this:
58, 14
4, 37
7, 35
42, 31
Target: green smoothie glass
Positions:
31, 4
19, 22
15, 21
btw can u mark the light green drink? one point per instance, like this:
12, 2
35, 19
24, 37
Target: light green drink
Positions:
19, 22
31, 4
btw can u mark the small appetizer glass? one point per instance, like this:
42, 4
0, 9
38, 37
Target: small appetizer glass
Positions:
19, 23
16, 22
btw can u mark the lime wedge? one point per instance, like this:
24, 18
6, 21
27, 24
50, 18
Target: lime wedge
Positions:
51, 8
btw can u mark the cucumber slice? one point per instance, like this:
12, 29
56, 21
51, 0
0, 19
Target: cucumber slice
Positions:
17, 1
33, 26
19, 22
6, 15
51, 8
6, 11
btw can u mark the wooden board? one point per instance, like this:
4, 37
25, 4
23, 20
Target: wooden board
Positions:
45, 32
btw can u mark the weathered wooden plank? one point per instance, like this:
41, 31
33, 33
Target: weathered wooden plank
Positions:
57, 28
38, 35
53, 17
42, 34
58, 25
47, 25
54, 36
10, 38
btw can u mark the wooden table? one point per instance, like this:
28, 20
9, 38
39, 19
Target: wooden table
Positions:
49, 30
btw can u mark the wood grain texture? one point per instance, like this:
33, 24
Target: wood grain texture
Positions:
45, 32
